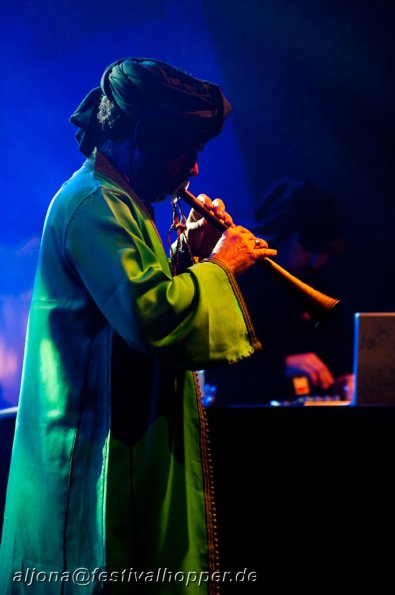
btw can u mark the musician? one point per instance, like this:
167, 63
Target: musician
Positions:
306, 223
110, 467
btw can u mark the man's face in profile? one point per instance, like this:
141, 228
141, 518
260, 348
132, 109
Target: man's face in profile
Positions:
161, 161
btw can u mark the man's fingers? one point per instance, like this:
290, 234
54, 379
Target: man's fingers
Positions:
219, 205
263, 249
197, 223
325, 378
310, 365
259, 243
319, 372
206, 200
266, 253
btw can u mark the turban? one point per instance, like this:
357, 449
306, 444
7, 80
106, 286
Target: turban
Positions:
315, 214
151, 90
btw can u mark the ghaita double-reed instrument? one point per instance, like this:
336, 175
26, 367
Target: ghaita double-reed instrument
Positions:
315, 303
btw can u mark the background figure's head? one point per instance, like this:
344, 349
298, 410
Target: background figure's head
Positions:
303, 221
156, 117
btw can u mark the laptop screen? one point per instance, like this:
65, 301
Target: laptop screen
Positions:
374, 358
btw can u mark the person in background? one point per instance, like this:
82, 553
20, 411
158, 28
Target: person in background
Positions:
110, 467
306, 223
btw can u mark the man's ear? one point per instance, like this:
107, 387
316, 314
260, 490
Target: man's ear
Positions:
138, 135
144, 135
152, 137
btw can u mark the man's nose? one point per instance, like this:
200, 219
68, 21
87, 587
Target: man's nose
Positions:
194, 171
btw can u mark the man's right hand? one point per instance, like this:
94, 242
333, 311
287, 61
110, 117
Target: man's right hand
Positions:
310, 365
239, 249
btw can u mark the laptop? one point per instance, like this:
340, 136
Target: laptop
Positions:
374, 358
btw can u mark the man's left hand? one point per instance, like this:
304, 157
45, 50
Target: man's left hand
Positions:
202, 236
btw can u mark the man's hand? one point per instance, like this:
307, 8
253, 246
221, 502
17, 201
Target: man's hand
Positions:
202, 236
310, 365
239, 249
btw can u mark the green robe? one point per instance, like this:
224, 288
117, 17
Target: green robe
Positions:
111, 465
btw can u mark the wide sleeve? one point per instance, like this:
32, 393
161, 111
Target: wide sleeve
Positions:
194, 320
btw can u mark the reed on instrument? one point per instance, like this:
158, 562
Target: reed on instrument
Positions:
315, 303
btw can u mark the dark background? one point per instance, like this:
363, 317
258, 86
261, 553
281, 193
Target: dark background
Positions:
304, 497
312, 88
